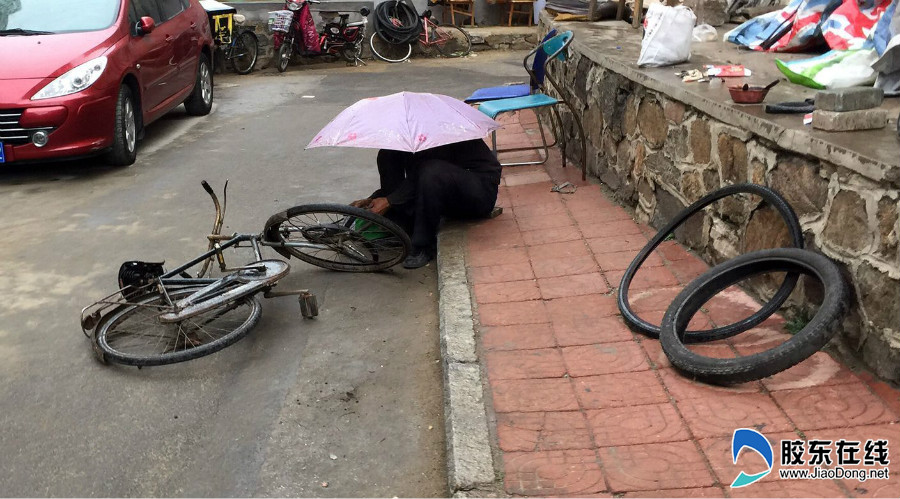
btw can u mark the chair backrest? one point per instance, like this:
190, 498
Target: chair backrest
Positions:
537, 65
553, 45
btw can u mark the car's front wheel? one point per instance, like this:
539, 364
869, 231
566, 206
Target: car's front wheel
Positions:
124, 148
199, 103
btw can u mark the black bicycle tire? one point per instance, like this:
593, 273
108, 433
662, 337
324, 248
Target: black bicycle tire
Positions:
285, 45
272, 235
800, 346
635, 323
468, 38
382, 57
255, 55
112, 355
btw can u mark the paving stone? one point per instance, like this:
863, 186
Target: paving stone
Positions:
614, 244
644, 424
573, 285
525, 364
869, 488
673, 252
588, 214
720, 415
622, 259
541, 222
601, 228
565, 266
698, 322
688, 269
534, 395
691, 492
551, 235
502, 273
717, 349
495, 241
653, 300
581, 311
646, 278
867, 119
542, 209
683, 389
837, 406
552, 251
603, 330
669, 465
619, 390
604, 358
526, 178
518, 337
818, 370
507, 291
553, 473
507, 314
849, 99
542, 431
791, 488
488, 257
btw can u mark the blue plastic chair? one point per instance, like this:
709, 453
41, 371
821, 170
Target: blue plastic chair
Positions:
519, 90
555, 47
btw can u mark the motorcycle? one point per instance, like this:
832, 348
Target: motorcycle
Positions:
295, 33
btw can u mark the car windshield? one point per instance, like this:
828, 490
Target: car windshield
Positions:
26, 17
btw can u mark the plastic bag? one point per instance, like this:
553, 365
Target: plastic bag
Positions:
667, 35
833, 69
704, 33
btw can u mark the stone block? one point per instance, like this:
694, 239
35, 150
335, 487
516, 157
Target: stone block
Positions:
692, 232
867, 119
849, 99
652, 122
640, 152
887, 227
765, 230
848, 224
675, 111
732, 154
879, 296
701, 142
798, 180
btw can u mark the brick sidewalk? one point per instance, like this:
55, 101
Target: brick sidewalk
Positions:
584, 407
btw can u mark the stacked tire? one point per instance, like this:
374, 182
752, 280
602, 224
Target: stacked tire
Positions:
673, 333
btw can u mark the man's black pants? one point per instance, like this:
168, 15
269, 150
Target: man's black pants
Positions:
443, 189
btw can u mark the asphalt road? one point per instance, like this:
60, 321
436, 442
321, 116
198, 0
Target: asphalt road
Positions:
348, 404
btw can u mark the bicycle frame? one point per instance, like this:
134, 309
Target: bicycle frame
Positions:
424, 36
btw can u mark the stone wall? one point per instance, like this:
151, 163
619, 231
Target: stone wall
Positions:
658, 155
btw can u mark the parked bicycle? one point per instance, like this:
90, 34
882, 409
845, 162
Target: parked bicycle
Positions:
161, 317
242, 49
391, 40
294, 33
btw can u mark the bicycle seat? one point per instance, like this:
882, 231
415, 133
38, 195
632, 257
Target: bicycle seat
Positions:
426, 14
344, 16
239, 19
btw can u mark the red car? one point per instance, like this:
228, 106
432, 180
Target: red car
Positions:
83, 77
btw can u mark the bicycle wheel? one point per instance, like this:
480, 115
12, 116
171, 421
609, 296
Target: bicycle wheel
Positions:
452, 41
346, 238
389, 52
352, 51
132, 335
283, 58
244, 52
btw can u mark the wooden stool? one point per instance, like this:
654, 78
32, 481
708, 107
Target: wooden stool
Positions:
465, 8
528, 10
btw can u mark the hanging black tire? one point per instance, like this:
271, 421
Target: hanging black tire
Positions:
800, 346
125, 131
199, 103
639, 325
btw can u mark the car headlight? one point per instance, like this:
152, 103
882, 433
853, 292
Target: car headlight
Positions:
74, 80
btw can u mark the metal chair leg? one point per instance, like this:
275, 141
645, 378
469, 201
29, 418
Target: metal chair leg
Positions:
562, 135
583, 139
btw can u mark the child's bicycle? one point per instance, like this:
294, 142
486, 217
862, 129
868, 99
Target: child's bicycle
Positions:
161, 317
445, 40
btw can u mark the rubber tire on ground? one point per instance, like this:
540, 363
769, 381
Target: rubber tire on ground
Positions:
283, 56
272, 235
800, 346
195, 104
120, 154
639, 325
468, 41
245, 39
110, 355
377, 40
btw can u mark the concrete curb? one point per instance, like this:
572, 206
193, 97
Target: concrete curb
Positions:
470, 462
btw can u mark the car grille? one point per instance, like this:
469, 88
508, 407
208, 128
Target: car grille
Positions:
10, 130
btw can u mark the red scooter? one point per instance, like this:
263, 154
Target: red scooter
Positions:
295, 32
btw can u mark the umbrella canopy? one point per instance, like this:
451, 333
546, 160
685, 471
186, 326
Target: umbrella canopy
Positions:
405, 121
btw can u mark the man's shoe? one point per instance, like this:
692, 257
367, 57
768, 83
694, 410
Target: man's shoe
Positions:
417, 260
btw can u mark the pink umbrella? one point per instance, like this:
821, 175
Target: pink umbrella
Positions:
405, 121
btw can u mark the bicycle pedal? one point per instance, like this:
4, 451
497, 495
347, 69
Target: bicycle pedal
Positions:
309, 306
